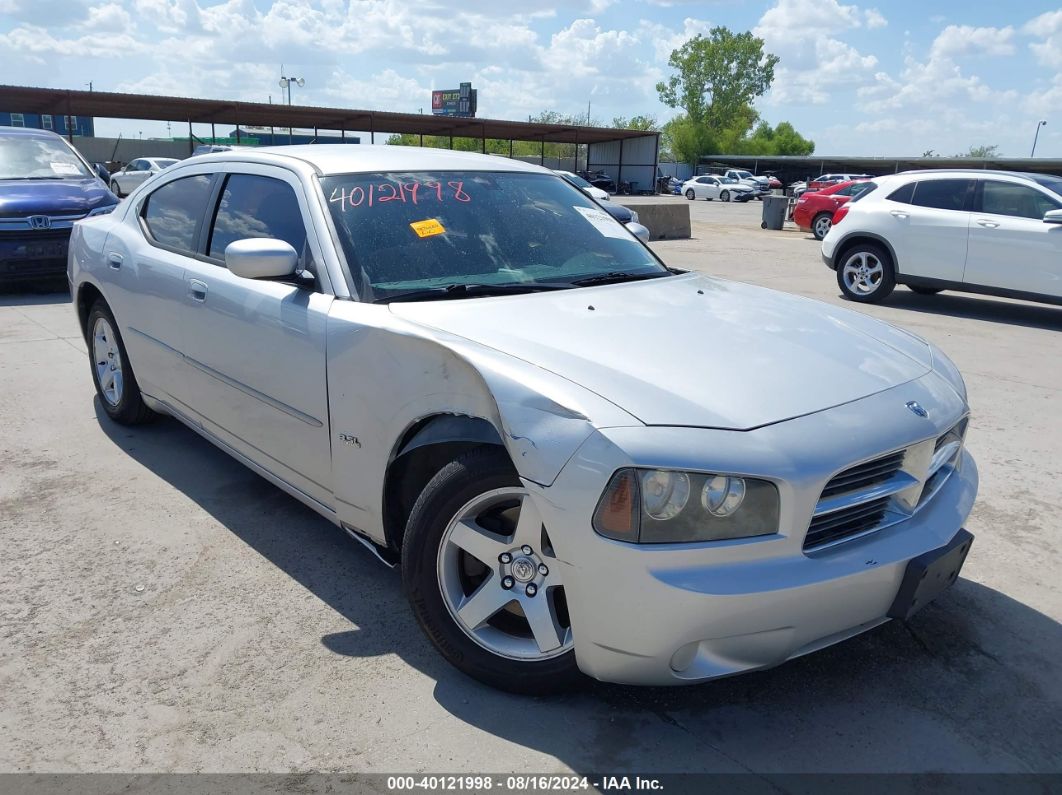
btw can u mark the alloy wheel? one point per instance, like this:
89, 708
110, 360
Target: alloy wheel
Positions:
822, 226
500, 580
108, 361
863, 273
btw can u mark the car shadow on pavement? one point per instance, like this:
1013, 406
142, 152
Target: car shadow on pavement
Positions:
978, 307
971, 684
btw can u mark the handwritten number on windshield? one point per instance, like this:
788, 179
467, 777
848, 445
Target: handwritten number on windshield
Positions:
405, 192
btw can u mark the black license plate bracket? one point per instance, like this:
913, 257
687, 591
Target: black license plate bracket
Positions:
929, 575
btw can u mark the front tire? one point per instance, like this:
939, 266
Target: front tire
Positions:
494, 609
112, 374
724, 196
866, 274
821, 225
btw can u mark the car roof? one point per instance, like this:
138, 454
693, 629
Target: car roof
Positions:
984, 172
356, 158
30, 132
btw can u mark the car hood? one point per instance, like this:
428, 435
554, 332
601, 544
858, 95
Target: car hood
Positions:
691, 350
21, 197
737, 186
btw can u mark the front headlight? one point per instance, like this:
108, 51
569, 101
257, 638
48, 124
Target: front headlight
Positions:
659, 506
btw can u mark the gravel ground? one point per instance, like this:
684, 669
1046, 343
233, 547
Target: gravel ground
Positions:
164, 609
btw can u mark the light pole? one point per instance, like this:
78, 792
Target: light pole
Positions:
285, 82
1039, 124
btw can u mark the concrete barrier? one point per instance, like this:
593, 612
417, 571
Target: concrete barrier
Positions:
665, 220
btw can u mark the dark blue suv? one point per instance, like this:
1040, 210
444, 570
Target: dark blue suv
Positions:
45, 186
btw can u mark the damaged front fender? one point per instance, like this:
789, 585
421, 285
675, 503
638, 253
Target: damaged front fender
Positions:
386, 375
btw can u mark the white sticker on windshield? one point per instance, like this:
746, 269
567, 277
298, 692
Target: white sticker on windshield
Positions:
603, 222
65, 168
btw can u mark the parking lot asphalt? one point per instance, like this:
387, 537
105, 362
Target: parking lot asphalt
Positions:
164, 609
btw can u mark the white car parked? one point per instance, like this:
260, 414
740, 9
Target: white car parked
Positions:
584, 186
990, 232
584, 461
136, 172
711, 187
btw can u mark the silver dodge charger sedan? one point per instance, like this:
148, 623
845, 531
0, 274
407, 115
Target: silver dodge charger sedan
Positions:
586, 462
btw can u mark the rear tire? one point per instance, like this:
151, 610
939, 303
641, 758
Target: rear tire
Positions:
446, 568
924, 290
866, 274
821, 224
113, 376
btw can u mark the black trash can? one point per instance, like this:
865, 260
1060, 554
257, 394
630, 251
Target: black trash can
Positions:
774, 208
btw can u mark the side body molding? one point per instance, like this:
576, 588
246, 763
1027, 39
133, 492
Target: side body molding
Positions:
386, 374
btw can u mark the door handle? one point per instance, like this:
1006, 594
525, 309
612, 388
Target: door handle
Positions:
987, 224
197, 289
898, 213
114, 260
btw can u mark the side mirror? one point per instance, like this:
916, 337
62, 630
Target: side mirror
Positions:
639, 231
1053, 217
102, 172
261, 258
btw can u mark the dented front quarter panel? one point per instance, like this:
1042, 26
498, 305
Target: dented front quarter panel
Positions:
385, 374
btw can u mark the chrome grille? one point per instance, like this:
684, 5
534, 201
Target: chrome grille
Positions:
864, 475
844, 523
877, 493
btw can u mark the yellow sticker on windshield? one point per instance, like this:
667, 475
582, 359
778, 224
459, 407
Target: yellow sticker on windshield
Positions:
427, 228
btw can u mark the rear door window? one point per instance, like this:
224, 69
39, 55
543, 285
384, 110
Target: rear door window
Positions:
943, 194
903, 194
173, 213
1019, 201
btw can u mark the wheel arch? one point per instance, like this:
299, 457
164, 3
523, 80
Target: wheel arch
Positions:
855, 238
424, 448
87, 295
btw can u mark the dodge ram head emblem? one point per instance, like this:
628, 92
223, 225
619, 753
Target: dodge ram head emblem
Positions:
917, 409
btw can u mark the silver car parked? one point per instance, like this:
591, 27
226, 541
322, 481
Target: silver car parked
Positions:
583, 460
136, 172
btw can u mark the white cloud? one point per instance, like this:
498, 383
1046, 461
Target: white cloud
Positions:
1048, 27
957, 40
875, 19
813, 61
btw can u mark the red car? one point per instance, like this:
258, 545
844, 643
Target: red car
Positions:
814, 211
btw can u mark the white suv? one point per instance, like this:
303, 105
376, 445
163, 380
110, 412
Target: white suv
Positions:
991, 232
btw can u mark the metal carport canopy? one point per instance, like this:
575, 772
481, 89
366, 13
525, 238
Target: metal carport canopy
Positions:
206, 111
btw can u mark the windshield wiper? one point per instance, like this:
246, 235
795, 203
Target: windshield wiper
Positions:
614, 277
470, 291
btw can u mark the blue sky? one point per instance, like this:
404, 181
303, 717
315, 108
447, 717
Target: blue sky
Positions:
886, 77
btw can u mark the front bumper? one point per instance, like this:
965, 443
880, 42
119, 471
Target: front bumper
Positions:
669, 614
33, 255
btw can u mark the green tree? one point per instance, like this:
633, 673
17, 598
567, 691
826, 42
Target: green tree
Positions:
717, 78
981, 151
767, 141
646, 122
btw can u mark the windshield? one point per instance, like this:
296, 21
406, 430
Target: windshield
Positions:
39, 157
744, 174
728, 180
404, 232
